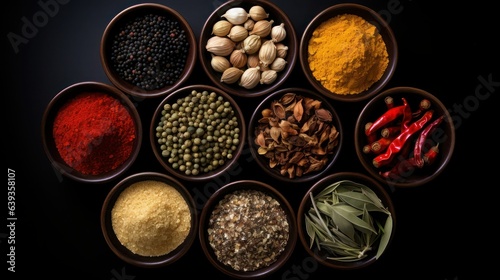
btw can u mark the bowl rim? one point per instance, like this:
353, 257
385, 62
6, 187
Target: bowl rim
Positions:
447, 121
131, 89
119, 249
384, 29
50, 112
382, 193
202, 177
253, 147
283, 75
246, 184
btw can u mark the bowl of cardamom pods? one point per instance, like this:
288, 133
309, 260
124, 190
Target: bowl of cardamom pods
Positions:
346, 221
248, 48
348, 52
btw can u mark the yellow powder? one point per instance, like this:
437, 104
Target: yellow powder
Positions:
151, 218
347, 54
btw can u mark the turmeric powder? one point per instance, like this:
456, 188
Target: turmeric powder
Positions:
347, 54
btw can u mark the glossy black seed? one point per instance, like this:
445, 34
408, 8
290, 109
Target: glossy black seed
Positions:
150, 51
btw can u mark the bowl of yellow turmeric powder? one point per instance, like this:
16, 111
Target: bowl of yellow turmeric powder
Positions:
348, 52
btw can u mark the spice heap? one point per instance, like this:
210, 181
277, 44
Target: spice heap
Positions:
150, 51
94, 133
151, 218
248, 230
247, 48
198, 133
401, 139
347, 220
347, 54
296, 135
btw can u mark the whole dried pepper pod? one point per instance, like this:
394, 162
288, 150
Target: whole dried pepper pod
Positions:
386, 118
398, 142
422, 139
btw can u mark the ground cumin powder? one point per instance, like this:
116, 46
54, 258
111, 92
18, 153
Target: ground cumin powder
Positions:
347, 54
151, 218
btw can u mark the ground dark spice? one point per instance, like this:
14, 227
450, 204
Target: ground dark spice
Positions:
94, 133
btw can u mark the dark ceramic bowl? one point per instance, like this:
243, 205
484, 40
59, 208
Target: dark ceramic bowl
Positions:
275, 14
201, 153
159, 86
404, 174
216, 199
258, 123
125, 253
371, 17
70, 170
321, 255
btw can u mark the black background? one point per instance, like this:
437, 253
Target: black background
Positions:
444, 228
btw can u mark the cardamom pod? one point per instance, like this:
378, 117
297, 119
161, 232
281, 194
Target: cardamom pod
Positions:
250, 78
278, 64
262, 28
236, 15
221, 28
237, 33
219, 63
218, 45
268, 77
278, 33
231, 75
253, 60
249, 24
238, 58
281, 50
257, 13
252, 44
267, 52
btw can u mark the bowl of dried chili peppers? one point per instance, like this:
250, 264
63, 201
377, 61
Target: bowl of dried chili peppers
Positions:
91, 132
346, 220
248, 229
404, 137
295, 135
148, 50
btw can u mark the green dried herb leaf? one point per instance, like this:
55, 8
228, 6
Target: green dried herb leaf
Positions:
358, 200
353, 219
384, 240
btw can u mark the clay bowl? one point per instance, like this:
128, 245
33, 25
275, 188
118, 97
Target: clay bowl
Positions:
371, 17
154, 81
281, 170
404, 174
218, 200
69, 169
191, 148
322, 255
139, 258
278, 17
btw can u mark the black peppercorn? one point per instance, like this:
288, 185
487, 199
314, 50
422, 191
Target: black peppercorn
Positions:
150, 51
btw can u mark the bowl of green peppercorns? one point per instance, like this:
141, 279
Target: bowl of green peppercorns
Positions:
197, 132
148, 50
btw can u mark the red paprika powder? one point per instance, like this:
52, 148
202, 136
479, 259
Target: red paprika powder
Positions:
94, 133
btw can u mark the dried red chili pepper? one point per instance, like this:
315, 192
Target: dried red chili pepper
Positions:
398, 142
431, 154
389, 102
387, 117
404, 168
407, 115
424, 105
422, 138
380, 145
371, 137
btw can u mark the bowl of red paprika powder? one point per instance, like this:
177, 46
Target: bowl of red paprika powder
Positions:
404, 137
91, 132
348, 52
148, 50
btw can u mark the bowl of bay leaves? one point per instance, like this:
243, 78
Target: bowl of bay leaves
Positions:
346, 221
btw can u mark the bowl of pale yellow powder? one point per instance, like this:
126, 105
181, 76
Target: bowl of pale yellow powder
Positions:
348, 52
149, 220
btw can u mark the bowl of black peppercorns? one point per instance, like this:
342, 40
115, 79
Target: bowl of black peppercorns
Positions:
148, 50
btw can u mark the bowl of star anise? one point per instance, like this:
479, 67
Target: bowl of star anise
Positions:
295, 135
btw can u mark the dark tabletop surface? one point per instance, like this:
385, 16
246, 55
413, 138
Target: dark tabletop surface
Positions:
443, 227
